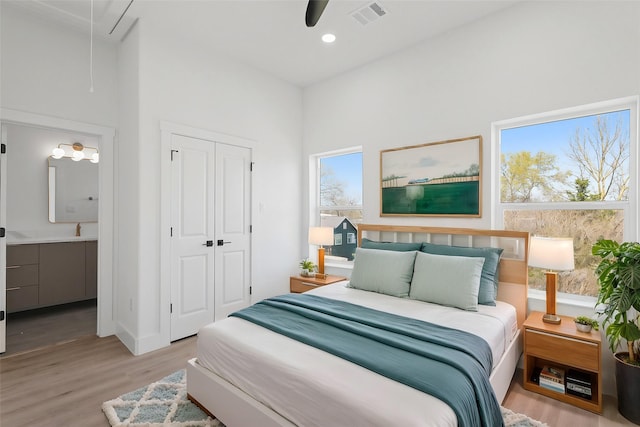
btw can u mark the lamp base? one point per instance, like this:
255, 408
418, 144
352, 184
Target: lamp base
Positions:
551, 318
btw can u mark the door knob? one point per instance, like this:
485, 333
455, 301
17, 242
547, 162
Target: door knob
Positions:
208, 243
222, 242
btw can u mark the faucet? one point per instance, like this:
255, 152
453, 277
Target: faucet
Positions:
78, 230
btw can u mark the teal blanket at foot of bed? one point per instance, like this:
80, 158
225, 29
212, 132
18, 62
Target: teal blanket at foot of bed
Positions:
452, 365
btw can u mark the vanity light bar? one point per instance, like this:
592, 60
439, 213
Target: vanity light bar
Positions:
76, 151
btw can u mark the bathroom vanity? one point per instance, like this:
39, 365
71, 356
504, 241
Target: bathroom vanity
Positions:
51, 273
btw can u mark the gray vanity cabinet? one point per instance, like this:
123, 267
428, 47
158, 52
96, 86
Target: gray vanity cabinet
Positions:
62, 275
46, 274
22, 277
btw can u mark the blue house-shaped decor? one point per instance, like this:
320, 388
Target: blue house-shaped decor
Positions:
345, 235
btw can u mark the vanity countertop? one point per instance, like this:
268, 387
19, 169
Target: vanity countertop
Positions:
23, 238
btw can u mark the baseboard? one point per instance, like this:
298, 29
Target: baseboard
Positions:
126, 338
151, 343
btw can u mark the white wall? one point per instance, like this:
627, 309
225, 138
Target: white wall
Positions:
182, 83
45, 70
530, 58
127, 203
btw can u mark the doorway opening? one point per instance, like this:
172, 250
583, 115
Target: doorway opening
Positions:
57, 281
52, 231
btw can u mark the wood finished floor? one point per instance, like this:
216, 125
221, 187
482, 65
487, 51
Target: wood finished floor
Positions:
34, 329
65, 385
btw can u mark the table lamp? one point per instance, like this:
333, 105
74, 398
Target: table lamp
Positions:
552, 253
320, 236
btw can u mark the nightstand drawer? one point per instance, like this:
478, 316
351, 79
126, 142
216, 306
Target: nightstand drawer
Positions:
299, 286
583, 354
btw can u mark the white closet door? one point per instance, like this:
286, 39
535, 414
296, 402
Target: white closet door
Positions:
233, 235
192, 250
211, 236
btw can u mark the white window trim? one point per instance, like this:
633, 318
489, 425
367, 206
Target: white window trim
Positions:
631, 221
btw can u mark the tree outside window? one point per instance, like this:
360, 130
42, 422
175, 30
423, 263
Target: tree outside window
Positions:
568, 177
341, 186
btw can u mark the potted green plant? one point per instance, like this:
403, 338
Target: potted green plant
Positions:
585, 324
307, 267
618, 301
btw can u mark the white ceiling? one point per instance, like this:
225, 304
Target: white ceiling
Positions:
270, 34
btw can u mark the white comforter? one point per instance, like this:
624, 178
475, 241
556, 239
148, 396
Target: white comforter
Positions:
312, 388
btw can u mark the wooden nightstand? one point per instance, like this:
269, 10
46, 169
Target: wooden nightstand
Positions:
299, 284
562, 346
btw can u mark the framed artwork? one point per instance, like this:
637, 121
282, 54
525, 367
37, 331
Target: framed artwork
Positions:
435, 179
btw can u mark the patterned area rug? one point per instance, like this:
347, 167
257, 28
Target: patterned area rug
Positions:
513, 419
165, 403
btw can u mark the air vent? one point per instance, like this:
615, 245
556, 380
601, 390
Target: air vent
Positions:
369, 13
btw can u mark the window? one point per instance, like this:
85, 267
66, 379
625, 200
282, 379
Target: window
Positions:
351, 238
337, 239
569, 173
336, 182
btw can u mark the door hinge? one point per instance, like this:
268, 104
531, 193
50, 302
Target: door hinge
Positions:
170, 308
250, 290
2, 231
251, 229
3, 148
251, 166
1, 315
171, 232
173, 151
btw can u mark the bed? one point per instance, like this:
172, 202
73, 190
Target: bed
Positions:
246, 374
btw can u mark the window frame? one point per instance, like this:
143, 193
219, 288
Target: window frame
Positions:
629, 206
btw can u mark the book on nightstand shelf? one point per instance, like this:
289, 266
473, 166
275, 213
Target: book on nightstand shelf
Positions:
552, 378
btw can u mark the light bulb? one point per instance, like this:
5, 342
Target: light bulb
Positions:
58, 153
328, 38
95, 158
77, 156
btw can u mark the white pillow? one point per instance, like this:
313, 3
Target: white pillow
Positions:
385, 272
447, 280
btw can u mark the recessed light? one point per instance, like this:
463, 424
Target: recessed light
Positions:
328, 38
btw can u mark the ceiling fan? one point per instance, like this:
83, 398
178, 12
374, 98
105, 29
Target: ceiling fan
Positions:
314, 11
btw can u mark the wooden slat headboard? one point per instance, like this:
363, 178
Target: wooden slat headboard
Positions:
514, 278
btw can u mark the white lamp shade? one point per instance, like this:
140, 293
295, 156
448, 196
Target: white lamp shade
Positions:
95, 158
552, 253
320, 235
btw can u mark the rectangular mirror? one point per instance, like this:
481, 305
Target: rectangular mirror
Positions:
73, 190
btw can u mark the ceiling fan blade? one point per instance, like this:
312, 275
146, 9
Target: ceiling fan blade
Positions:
314, 11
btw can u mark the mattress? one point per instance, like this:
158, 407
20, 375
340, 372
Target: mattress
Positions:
312, 388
